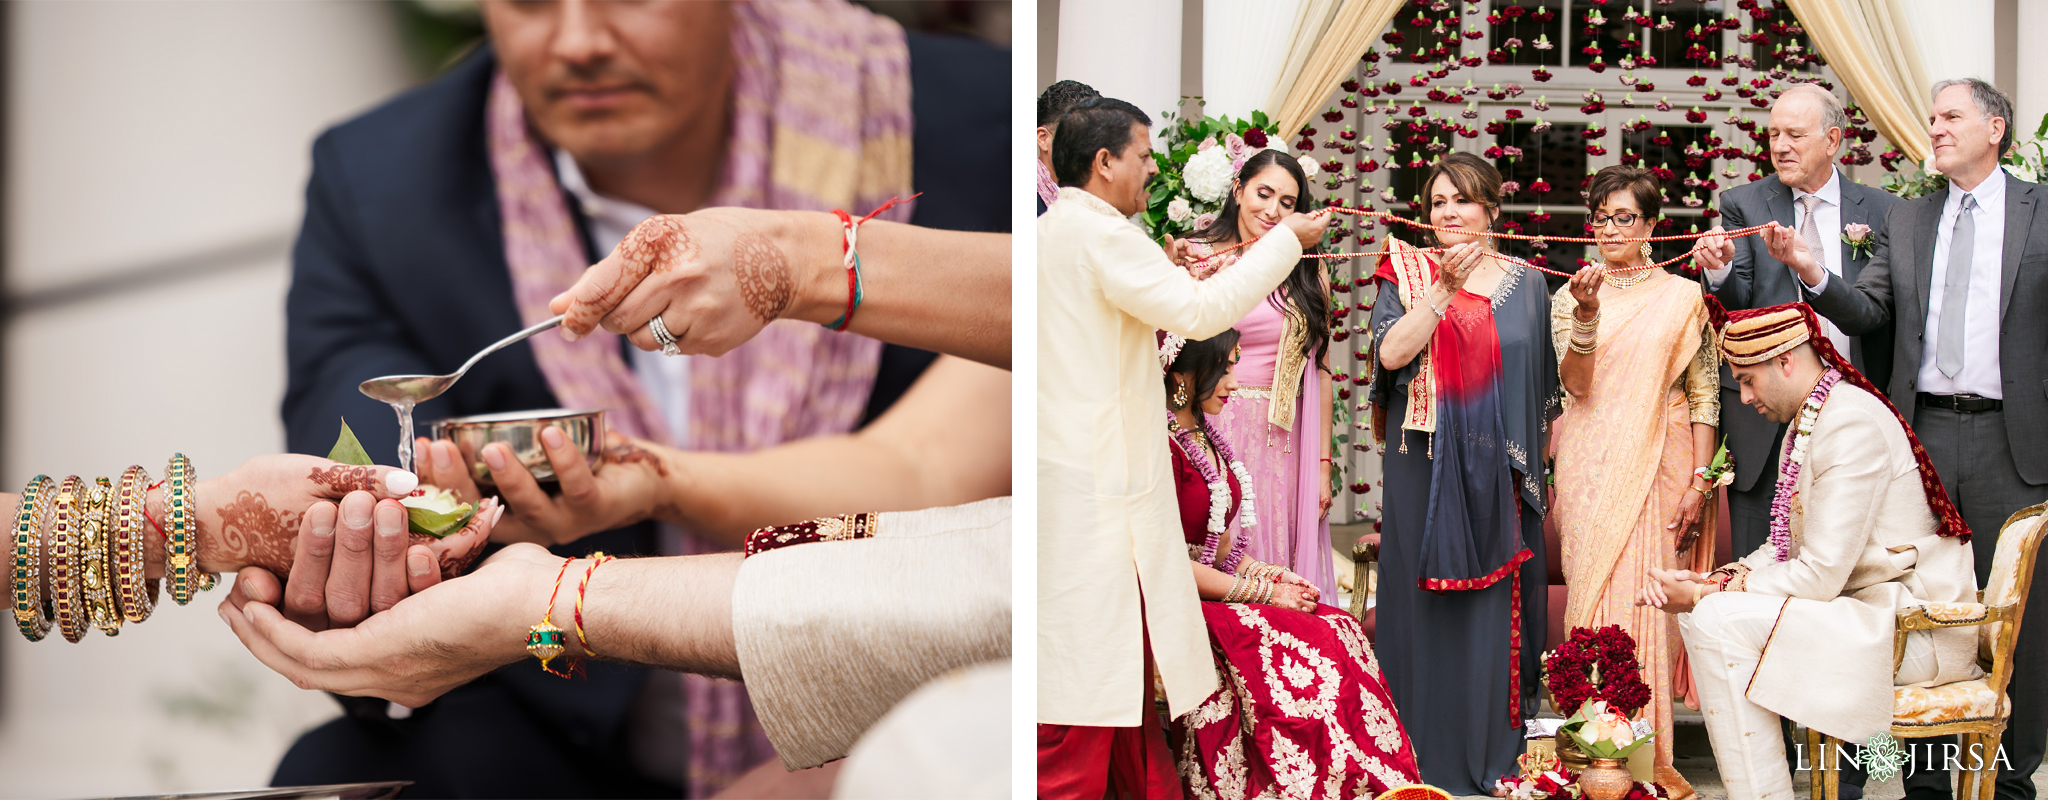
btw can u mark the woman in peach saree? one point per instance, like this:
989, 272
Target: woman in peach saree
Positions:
1640, 372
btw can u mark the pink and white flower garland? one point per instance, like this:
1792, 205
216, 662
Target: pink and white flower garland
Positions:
1219, 493
1792, 459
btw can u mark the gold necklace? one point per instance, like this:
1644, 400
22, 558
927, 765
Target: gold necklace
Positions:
1638, 276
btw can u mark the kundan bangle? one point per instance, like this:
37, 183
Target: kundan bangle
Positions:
99, 557
32, 612
545, 641
137, 593
64, 568
181, 551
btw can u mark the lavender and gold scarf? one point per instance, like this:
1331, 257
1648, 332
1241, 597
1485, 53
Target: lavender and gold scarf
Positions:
820, 120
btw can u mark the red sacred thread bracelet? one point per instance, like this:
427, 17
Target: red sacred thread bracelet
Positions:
850, 256
581, 640
152, 520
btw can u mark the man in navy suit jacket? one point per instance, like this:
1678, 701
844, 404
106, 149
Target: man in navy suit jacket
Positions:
400, 268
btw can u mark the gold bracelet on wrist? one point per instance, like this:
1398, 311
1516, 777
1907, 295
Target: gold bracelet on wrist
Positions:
1583, 347
64, 566
32, 612
136, 592
181, 551
98, 585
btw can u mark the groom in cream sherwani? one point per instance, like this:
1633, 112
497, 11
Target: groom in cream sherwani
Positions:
1802, 628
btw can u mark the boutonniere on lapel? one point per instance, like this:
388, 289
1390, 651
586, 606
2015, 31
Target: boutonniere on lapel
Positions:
1857, 236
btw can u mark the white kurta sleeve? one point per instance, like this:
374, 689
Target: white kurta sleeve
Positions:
832, 634
1838, 508
1137, 277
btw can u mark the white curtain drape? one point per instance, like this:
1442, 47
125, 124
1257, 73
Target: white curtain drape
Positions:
1244, 50
1871, 45
1335, 47
1310, 20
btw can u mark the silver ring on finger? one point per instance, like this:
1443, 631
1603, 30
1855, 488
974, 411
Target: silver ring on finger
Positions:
661, 335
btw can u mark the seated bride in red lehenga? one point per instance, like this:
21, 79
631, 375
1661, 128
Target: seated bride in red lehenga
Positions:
1302, 711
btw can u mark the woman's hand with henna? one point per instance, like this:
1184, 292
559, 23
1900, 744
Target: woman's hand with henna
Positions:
629, 485
715, 277
1299, 598
357, 559
249, 516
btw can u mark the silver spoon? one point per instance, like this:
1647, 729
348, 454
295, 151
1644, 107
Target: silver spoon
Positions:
415, 389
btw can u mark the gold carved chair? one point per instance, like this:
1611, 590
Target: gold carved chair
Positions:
1365, 558
1974, 710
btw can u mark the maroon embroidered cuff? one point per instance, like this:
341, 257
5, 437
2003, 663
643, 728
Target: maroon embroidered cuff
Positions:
824, 529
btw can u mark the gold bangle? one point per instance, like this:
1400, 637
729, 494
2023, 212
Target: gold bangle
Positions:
182, 531
64, 567
136, 592
32, 612
99, 562
1583, 348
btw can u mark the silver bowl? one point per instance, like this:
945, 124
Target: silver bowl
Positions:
521, 431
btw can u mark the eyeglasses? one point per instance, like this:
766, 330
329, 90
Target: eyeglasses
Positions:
1622, 220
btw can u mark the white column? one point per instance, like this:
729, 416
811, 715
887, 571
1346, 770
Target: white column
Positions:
1126, 49
1956, 38
1244, 47
2031, 92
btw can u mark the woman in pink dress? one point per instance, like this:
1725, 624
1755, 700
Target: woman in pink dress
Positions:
1280, 424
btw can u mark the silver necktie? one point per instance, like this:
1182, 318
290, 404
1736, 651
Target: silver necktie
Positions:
1955, 291
1809, 230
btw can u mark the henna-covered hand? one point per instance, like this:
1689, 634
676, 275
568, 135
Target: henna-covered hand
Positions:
630, 485
358, 559
249, 516
715, 277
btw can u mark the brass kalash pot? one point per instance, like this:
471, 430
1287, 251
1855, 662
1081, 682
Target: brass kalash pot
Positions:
1606, 779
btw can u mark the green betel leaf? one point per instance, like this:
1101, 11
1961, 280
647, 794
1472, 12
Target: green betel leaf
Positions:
348, 450
436, 512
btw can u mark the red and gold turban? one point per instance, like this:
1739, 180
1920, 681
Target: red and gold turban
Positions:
1753, 336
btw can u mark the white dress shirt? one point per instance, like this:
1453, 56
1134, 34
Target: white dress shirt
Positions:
666, 378
1827, 220
1979, 375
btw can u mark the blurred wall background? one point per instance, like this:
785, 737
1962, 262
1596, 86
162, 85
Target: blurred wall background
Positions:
155, 159
156, 154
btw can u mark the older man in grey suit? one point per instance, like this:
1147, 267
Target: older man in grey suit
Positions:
1962, 277
1808, 195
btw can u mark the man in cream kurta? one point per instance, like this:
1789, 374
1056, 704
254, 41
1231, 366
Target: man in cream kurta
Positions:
1809, 636
1108, 529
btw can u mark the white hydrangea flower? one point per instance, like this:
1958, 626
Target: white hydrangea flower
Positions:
2020, 171
1207, 174
1178, 210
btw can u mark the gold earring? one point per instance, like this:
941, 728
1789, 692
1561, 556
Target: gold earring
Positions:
1645, 250
1180, 396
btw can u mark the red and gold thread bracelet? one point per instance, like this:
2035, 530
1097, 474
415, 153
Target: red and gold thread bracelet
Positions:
545, 641
598, 559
